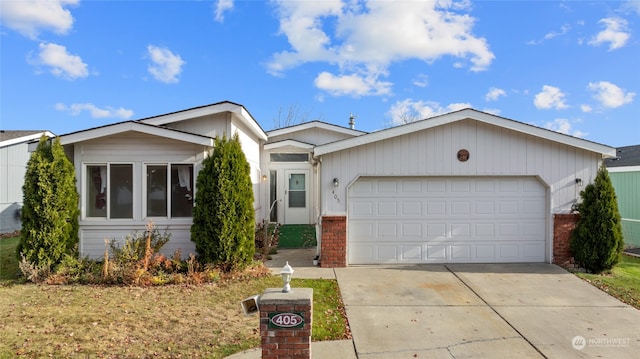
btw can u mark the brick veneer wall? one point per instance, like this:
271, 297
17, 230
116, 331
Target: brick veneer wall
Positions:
563, 226
333, 247
286, 343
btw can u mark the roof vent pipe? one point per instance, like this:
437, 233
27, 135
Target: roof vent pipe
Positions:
352, 121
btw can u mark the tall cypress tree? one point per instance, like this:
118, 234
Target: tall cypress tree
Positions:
50, 206
223, 218
597, 241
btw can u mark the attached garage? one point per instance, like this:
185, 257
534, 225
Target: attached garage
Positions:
446, 219
463, 187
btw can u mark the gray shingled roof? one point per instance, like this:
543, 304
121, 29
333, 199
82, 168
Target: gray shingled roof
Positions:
625, 156
11, 134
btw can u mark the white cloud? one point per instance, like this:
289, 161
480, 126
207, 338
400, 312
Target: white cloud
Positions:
29, 17
165, 65
494, 93
616, 33
222, 6
354, 85
408, 110
95, 112
564, 126
550, 97
421, 80
610, 95
550, 35
366, 37
61, 63
585, 108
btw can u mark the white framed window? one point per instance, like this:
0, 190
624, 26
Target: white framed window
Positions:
109, 190
169, 190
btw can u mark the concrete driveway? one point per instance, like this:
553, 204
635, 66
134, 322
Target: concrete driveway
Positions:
483, 311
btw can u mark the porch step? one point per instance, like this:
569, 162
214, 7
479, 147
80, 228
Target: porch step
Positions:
297, 236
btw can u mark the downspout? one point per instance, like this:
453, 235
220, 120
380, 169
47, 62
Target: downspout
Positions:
318, 193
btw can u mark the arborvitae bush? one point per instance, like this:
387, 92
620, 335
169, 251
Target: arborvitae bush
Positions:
223, 217
597, 241
50, 207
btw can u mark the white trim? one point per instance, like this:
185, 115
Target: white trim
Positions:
468, 113
28, 138
623, 169
239, 110
314, 124
288, 143
135, 127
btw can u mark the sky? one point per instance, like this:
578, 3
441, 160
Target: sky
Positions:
568, 66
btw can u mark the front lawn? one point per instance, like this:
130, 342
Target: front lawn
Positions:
8, 262
133, 322
622, 282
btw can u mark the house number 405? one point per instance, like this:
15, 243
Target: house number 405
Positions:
286, 320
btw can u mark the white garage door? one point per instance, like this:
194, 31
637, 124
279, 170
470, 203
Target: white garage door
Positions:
446, 220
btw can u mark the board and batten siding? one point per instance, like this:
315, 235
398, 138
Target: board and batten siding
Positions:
137, 149
494, 151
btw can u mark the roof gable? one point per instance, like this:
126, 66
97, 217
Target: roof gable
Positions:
134, 126
314, 124
239, 111
464, 114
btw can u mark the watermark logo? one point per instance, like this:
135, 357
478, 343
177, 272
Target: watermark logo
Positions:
579, 342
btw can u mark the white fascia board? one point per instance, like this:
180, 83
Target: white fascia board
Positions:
206, 111
471, 114
135, 127
29, 138
315, 124
624, 169
289, 143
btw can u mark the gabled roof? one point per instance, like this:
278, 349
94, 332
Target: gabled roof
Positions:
314, 124
224, 106
625, 156
12, 137
134, 126
288, 143
464, 114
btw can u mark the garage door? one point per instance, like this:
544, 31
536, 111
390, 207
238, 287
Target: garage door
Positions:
446, 220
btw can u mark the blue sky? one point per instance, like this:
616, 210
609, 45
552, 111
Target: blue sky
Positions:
570, 66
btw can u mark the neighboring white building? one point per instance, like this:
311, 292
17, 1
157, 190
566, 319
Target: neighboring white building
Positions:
461, 187
14, 156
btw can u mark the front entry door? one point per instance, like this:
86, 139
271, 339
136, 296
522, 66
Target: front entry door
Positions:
296, 197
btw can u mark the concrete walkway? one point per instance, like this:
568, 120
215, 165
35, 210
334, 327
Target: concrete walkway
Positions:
471, 310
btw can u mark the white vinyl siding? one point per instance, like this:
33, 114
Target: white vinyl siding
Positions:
139, 150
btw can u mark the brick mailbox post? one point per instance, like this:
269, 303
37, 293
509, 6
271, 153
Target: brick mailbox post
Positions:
285, 323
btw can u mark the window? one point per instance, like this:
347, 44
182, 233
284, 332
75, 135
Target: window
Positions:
169, 190
109, 190
289, 157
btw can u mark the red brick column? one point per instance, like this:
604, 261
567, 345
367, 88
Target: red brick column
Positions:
333, 247
563, 226
282, 342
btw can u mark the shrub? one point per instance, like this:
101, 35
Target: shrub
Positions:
267, 237
50, 210
223, 217
597, 242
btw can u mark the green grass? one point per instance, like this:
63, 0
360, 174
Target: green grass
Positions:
622, 282
9, 269
133, 322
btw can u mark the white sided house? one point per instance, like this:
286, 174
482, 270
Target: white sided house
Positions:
14, 156
464, 187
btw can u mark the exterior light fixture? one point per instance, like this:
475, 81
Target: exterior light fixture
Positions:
336, 183
264, 178
286, 273
579, 182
